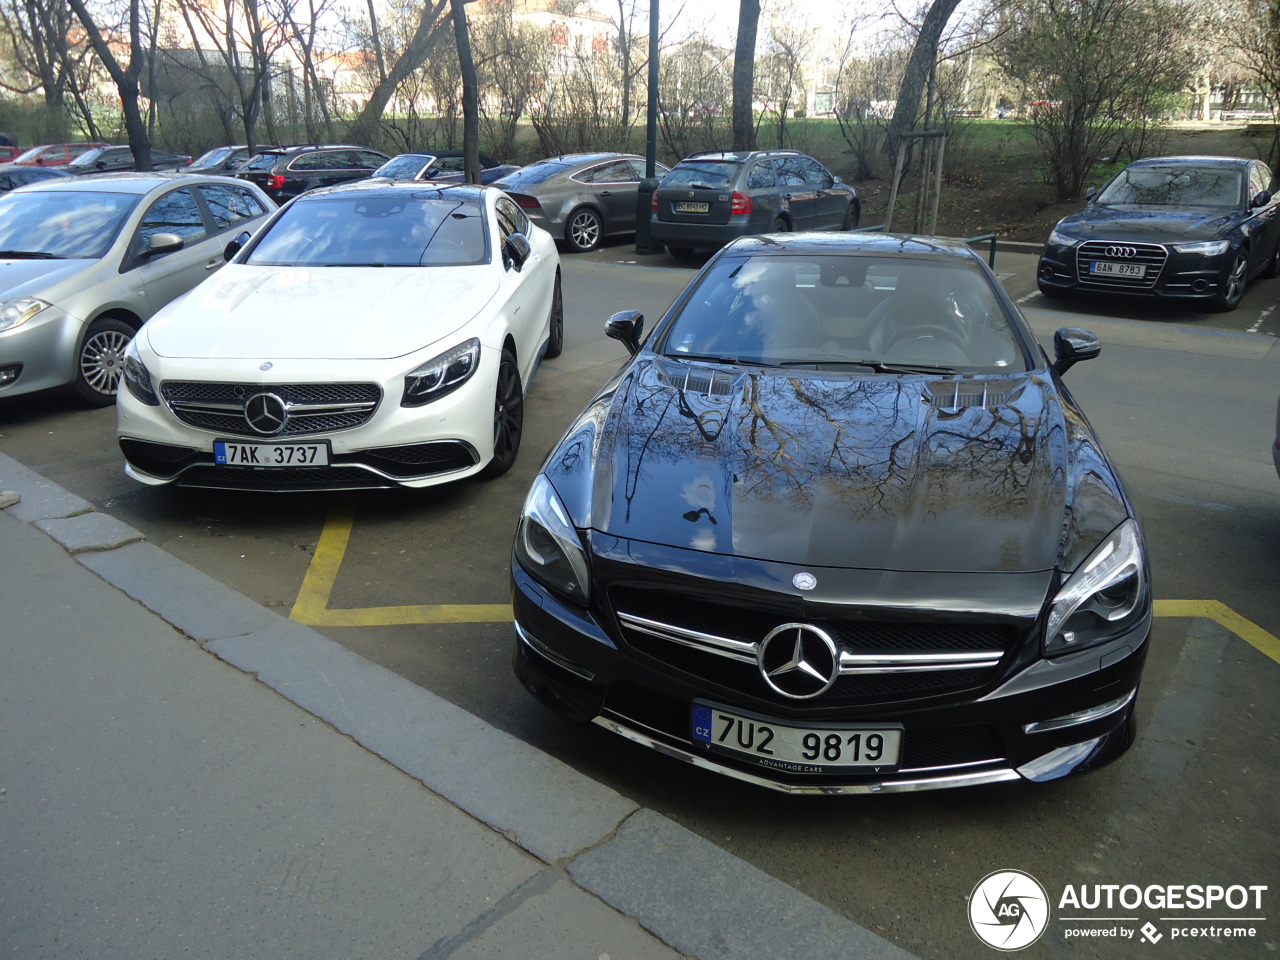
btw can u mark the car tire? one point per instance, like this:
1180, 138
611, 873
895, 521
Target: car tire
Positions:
851, 218
100, 361
682, 252
1272, 268
780, 225
1233, 284
583, 230
555, 340
508, 417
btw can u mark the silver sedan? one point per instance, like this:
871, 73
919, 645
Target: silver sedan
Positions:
580, 198
84, 262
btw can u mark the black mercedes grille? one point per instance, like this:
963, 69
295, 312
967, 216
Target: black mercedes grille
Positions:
313, 407
1151, 255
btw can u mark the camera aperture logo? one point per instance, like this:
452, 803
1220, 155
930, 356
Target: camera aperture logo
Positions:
1008, 910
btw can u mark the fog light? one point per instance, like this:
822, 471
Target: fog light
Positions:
1200, 286
1081, 716
1046, 272
10, 373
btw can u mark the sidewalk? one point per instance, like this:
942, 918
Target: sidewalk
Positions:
155, 803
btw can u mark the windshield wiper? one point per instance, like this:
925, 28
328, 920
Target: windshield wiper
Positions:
909, 367
716, 358
29, 255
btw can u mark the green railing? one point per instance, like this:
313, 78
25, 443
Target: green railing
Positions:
980, 238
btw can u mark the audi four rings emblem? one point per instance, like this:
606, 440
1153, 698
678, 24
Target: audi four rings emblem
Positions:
798, 660
266, 413
1129, 252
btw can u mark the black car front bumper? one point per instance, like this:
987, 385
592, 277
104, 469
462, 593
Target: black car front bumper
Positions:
1165, 272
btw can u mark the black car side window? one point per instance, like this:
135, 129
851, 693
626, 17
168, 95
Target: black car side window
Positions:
175, 212
790, 173
761, 175
815, 173
230, 205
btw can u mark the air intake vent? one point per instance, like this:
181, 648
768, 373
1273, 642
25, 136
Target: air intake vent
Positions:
961, 394
701, 381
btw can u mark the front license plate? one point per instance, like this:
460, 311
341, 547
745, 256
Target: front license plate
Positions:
797, 749
1108, 268
231, 453
688, 206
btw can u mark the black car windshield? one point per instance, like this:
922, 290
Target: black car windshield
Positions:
702, 173
1176, 186
72, 225
831, 312
394, 230
534, 174
407, 166
89, 157
213, 158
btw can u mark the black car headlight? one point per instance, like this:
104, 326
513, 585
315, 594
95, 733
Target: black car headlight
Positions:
1102, 598
137, 378
547, 545
441, 375
1058, 239
1209, 248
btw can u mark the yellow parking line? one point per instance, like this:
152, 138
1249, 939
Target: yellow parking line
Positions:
312, 605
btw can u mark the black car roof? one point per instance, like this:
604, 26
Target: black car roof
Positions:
1206, 161
882, 244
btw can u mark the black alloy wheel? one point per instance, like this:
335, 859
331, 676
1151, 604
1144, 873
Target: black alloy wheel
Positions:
780, 225
508, 417
1233, 284
101, 361
850, 217
584, 230
555, 341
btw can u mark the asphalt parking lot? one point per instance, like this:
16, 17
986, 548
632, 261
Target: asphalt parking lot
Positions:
417, 583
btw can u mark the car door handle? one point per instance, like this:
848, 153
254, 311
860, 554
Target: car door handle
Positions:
214, 264
605, 193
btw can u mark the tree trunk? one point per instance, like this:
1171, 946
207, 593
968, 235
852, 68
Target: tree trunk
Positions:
744, 74
126, 78
365, 126
470, 93
923, 56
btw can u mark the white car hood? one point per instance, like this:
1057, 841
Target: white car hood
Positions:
324, 313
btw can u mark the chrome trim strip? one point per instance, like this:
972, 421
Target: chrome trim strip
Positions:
558, 659
1082, 716
851, 664
911, 785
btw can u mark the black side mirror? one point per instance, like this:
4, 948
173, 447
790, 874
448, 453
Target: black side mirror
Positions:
627, 327
1090, 194
1071, 345
516, 249
235, 246
1262, 199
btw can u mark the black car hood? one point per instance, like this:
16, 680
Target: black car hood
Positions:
1154, 224
877, 472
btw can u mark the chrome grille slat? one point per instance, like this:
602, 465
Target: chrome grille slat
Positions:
1152, 255
312, 407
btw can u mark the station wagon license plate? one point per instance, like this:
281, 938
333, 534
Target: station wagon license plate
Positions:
819, 748
690, 206
1109, 268
232, 453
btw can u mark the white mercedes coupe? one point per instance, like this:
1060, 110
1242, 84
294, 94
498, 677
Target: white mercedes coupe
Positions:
369, 335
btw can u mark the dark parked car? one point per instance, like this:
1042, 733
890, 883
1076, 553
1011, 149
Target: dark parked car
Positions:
838, 527
54, 154
222, 160
116, 159
580, 198
13, 176
709, 199
285, 172
447, 166
1187, 228
1275, 447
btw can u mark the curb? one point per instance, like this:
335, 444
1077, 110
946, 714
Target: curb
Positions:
695, 897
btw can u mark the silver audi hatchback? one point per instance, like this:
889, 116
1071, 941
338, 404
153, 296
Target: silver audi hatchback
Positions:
84, 262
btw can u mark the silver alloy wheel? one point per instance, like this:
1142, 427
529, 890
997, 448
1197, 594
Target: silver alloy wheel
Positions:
584, 229
1234, 284
102, 360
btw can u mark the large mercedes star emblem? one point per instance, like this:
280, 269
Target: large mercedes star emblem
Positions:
266, 413
798, 660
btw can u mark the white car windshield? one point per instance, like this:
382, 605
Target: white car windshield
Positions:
397, 230
74, 225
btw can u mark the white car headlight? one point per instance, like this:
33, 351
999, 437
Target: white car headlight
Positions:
441, 375
137, 378
1102, 598
14, 313
1210, 248
548, 547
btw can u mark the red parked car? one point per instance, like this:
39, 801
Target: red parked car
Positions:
54, 154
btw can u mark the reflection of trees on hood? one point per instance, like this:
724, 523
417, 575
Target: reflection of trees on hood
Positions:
872, 445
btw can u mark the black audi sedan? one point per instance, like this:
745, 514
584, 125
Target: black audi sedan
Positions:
837, 526
1190, 228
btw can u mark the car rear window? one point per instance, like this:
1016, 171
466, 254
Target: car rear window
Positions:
263, 161
711, 175
533, 174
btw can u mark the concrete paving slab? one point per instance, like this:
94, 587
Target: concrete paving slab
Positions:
41, 499
485, 771
707, 903
90, 531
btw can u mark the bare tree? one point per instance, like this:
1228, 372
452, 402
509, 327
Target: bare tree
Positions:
924, 56
50, 57
1257, 49
744, 128
124, 76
